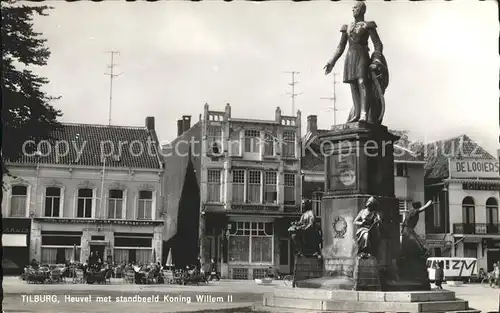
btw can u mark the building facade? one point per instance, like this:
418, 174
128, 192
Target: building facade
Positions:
246, 174
95, 187
408, 174
463, 181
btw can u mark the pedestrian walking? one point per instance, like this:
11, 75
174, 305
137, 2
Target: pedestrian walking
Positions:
439, 276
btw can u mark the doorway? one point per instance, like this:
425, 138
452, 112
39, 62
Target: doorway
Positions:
212, 251
98, 252
493, 255
285, 256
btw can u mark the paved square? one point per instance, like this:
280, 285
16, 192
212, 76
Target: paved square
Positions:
22, 297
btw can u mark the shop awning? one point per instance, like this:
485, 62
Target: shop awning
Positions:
474, 181
14, 240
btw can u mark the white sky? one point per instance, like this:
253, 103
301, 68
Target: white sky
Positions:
442, 56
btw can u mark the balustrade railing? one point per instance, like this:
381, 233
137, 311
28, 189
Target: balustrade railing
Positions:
476, 228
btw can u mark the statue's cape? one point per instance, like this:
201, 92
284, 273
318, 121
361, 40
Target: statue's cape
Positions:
380, 81
383, 72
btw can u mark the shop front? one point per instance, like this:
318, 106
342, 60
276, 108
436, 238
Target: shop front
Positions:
492, 251
54, 240
15, 245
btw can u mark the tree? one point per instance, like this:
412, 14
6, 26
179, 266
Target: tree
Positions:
405, 142
26, 110
403, 137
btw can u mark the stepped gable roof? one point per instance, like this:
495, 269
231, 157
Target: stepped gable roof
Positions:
87, 144
436, 155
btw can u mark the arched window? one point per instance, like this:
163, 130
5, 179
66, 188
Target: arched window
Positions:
468, 210
18, 201
492, 215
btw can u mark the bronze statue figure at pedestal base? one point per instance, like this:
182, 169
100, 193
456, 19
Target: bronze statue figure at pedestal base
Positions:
368, 232
412, 261
306, 235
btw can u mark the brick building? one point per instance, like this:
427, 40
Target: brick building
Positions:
96, 187
233, 187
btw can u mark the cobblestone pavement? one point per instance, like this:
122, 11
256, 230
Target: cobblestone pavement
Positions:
22, 297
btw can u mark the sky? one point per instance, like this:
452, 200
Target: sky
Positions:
177, 56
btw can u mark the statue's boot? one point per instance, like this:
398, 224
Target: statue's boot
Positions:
363, 103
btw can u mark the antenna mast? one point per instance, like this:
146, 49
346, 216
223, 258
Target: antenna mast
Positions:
293, 94
333, 99
112, 75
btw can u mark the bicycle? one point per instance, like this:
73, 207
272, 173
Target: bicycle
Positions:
488, 281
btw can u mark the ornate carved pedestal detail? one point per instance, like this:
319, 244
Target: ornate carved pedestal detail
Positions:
366, 275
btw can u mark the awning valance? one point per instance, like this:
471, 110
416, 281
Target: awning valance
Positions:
474, 181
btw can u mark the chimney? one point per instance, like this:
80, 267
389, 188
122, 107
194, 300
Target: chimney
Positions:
150, 123
186, 122
312, 124
179, 128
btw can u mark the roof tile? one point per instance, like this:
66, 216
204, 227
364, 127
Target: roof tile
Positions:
86, 144
437, 153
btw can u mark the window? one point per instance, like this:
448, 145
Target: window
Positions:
470, 250
316, 202
268, 145
238, 186
84, 206
436, 212
289, 144
18, 201
403, 209
491, 211
52, 201
270, 188
214, 140
59, 255
252, 141
468, 210
145, 205
214, 185
115, 204
251, 242
254, 186
401, 170
234, 143
289, 188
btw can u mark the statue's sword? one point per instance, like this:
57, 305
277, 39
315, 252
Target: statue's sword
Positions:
380, 93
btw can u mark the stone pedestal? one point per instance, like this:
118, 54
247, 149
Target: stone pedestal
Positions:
359, 164
301, 300
366, 275
307, 267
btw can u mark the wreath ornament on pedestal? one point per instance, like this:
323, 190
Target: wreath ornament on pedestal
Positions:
339, 227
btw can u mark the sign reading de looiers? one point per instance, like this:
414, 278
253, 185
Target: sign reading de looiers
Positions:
474, 168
